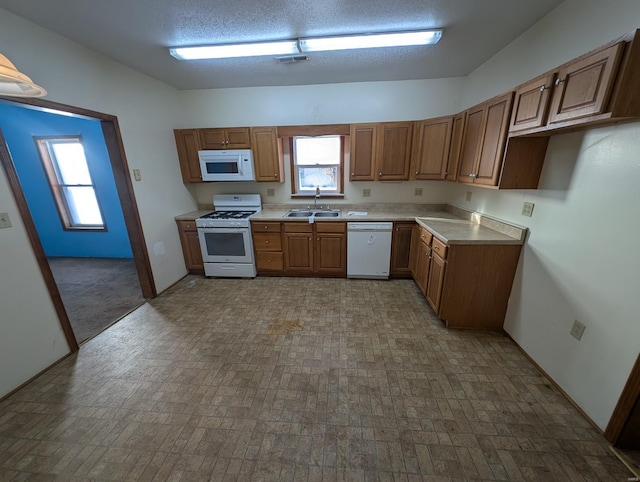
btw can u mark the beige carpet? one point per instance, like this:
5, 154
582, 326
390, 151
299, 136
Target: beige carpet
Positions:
96, 291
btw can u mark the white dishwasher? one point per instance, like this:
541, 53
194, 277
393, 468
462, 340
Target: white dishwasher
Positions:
368, 250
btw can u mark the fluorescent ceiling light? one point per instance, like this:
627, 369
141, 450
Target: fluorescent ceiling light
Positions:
399, 39
297, 46
235, 50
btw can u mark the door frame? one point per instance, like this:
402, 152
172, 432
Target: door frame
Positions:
622, 412
124, 187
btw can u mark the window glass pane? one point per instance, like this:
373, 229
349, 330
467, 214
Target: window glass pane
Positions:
317, 150
311, 177
72, 163
83, 206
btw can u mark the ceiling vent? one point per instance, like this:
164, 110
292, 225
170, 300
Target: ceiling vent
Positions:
292, 59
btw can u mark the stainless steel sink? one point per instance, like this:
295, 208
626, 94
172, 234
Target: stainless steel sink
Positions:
294, 213
298, 214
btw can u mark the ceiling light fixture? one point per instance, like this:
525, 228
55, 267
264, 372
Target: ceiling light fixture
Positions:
370, 41
303, 45
14, 83
235, 50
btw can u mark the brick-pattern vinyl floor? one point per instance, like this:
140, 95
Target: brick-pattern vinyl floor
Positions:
296, 379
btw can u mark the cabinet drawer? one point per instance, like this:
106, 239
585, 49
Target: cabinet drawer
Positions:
331, 227
425, 236
267, 241
187, 225
269, 261
303, 227
439, 248
266, 227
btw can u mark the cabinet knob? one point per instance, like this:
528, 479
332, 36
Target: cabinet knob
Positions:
559, 81
416, 172
543, 88
353, 173
379, 174
473, 175
266, 242
266, 227
275, 175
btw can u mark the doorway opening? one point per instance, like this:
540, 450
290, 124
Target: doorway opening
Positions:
623, 430
92, 280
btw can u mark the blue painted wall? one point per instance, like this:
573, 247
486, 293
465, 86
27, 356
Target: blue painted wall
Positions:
19, 125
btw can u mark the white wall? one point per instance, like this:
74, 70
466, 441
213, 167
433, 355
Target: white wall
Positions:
147, 111
325, 104
581, 260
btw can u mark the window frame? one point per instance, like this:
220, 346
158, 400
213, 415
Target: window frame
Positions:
295, 192
50, 165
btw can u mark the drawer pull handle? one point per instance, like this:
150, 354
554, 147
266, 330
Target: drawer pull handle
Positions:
559, 81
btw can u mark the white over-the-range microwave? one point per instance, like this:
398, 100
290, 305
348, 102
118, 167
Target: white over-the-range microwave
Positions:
227, 165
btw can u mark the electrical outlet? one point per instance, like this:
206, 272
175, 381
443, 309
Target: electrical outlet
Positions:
271, 192
366, 193
577, 330
527, 209
468, 198
417, 191
136, 174
5, 222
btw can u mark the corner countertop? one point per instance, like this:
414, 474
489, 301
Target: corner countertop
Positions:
450, 224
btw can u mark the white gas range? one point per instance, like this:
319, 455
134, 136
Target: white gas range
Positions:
225, 236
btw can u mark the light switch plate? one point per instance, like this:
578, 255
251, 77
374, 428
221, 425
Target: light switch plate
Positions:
417, 191
468, 198
271, 192
136, 174
527, 209
5, 222
366, 193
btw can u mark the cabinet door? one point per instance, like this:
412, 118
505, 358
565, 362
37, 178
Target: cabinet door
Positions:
436, 281
188, 145
394, 151
298, 252
432, 140
498, 112
237, 138
415, 250
471, 144
212, 139
331, 252
267, 157
401, 250
531, 104
364, 142
422, 267
583, 87
190, 245
453, 160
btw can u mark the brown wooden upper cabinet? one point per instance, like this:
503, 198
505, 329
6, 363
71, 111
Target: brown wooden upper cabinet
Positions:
227, 138
431, 140
267, 154
484, 141
380, 151
188, 145
599, 87
457, 131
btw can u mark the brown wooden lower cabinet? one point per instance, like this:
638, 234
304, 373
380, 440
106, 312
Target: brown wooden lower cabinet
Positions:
401, 249
467, 285
300, 248
190, 246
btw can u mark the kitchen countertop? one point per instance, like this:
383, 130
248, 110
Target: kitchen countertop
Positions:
450, 224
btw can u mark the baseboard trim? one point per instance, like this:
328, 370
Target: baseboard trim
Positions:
20, 387
553, 382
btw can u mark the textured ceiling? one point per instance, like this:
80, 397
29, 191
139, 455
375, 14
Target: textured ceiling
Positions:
137, 34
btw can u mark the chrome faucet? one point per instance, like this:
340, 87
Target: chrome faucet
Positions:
315, 199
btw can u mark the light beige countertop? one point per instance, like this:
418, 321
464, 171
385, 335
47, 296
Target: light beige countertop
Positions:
449, 223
